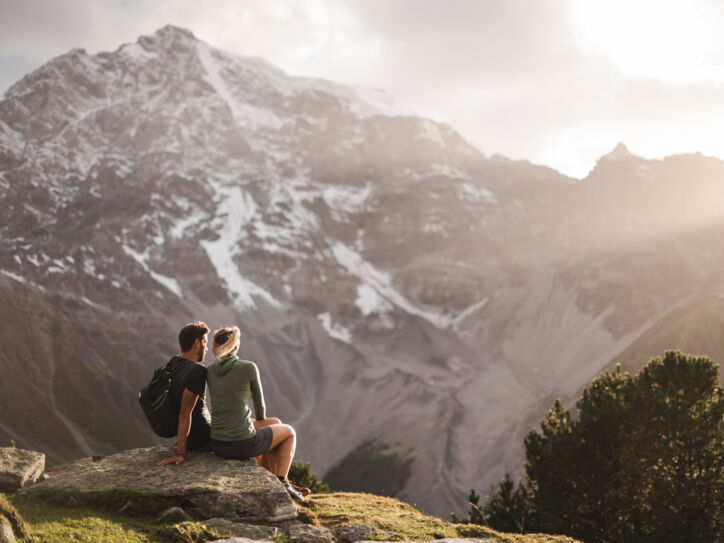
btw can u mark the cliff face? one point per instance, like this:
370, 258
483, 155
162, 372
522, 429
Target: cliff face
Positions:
393, 283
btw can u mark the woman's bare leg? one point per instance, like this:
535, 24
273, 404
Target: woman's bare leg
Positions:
281, 450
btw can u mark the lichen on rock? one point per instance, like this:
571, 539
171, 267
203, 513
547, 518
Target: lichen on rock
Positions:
205, 486
19, 468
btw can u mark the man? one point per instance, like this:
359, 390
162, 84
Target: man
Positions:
188, 390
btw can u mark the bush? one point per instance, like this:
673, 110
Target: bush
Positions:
301, 474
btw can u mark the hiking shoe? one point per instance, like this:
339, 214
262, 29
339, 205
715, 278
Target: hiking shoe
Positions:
295, 494
303, 490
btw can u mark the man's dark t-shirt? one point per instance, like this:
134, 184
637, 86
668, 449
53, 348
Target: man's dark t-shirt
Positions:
193, 377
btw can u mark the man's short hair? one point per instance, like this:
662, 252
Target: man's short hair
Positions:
190, 333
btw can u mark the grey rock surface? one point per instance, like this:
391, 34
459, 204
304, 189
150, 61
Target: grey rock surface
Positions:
6, 531
356, 532
240, 529
206, 486
19, 468
464, 540
304, 533
241, 540
445, 540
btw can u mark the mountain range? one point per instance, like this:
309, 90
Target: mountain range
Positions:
394, 284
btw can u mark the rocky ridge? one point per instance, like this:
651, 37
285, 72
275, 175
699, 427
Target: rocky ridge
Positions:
393, 282
236, 499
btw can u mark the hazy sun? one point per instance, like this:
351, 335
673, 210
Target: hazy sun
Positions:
672, 40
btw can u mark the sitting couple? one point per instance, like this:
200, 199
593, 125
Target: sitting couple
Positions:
232, 384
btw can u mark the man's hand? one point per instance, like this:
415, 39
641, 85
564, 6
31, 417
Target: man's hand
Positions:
178, 459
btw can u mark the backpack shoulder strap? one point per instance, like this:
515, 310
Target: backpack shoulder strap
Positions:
175, 365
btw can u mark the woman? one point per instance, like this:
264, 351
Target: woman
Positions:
234, 434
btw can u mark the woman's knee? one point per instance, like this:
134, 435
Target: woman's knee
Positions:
282, 432
273, 420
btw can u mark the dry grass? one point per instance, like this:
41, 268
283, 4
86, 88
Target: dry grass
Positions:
398, 521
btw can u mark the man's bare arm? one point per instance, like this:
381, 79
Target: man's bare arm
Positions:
188, 402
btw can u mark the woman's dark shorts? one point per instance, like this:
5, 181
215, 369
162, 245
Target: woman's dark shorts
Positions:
244, 448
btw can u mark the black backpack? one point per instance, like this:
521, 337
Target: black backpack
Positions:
156, 402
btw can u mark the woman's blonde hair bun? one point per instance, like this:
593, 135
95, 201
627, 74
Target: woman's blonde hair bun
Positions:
226, 340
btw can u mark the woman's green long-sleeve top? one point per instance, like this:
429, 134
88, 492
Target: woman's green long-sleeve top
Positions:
232, 384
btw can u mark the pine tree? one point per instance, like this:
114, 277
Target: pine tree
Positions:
643, 463
475, 516
506, 509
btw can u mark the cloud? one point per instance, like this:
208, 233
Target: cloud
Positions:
533, 80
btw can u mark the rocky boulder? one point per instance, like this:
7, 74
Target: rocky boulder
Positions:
12, 525
6, 531
19, 467
205, 486
352, 533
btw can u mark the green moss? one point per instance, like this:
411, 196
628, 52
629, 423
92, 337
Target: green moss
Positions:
129, 502
53, 523
20, 527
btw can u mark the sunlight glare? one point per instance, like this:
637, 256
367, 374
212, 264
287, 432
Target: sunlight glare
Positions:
671, 40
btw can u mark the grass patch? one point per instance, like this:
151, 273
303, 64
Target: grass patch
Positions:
398, 521
52, 523
49, 522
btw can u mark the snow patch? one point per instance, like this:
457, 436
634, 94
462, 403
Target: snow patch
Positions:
368, 102
472, 193
14, 276
437, 170
142, 258
136, 52
380, 282
336, 331
431, 131
181, 225
246, 115
433, 228
468, 311
236, 209
89, 267
168, 282
11, 139
370, 302
347, 198
288, 196
362, 102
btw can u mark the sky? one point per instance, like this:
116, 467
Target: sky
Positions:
556, 82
